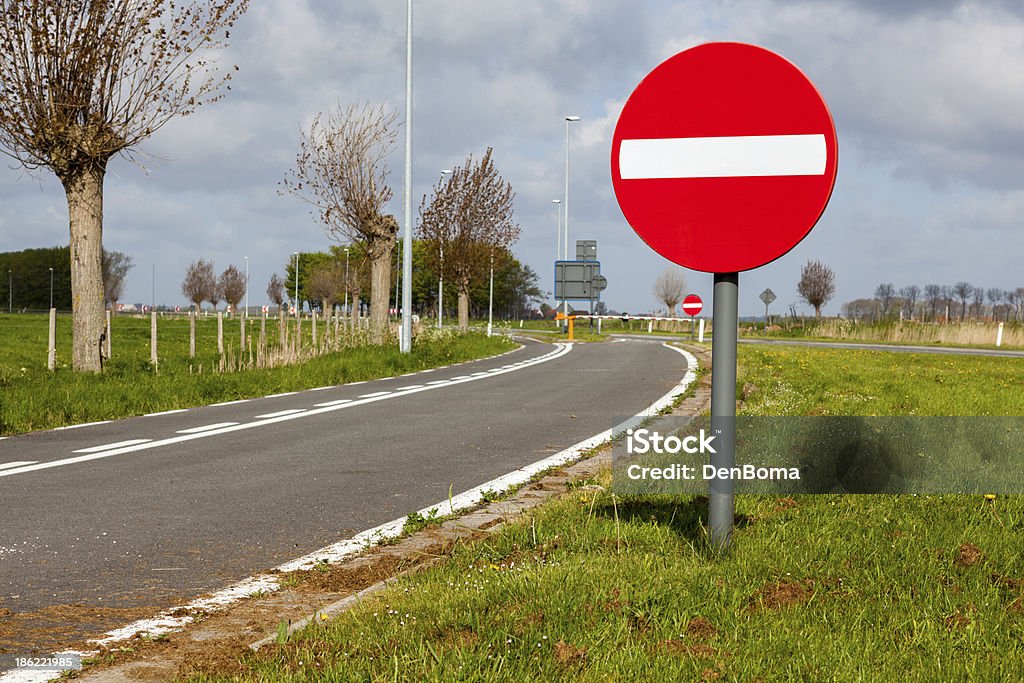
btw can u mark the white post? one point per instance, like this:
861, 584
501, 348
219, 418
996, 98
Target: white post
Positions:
700, 331
599, 326
490, 301
152, 338
246, 313
405, 344
51, 347
440, 291
192, 333
650, 326
999, 335
220, 332
109, 343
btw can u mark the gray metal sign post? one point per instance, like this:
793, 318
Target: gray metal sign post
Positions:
767, 296
721, 507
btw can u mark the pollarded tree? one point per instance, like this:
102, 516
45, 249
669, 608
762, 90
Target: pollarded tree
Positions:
200, 283
885, 293
669, 287
963, 291
232, 287
275, 291
340, 171
910, 295
84, 80
470, 213
115, 267
817, 285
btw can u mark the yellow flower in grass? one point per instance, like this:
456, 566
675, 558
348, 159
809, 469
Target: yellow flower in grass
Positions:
990, 496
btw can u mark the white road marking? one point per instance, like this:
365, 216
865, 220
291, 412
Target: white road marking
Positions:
18, 463
411, 386
423, 372
438, 381
231, 403
460, 377
228, 427
374, 394
109, 446
264, 583
321, 388
723, 157
279, 413
287, 393
206, 428
333, 403
84, 424
167, 412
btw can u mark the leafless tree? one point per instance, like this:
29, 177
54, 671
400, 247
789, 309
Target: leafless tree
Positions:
963, 291
275, 291
885, 293
84, 80
978, 302
470, 213
200, 283
817, 285
669, 288
325, 282
859, 309
340, 172
910, 295
1017, 301
232, 287
115, 266
933, 295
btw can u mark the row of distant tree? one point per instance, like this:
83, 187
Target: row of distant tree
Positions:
933, 303
343, 275
27, 279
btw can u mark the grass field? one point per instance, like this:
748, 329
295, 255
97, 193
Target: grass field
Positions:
818, 588
32, 398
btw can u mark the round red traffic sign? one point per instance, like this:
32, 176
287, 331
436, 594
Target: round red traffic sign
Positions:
724, 157
692, 305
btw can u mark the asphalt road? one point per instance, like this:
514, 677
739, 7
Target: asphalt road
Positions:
156, 510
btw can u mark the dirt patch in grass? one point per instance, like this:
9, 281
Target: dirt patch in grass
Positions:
678, 647
783, 504
568, 655
781, 594
968, 555
700, 629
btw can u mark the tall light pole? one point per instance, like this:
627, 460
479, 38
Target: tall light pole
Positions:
558, 241
51, 287
440, 278
405, 345
246, 313
490, 299
565, 245
296, 255
152, 299
346, 281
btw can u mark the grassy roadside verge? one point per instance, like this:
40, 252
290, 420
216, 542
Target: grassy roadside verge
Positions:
594, 588
35, 399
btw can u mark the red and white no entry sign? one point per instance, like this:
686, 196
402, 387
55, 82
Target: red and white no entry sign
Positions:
724, 157
692, 305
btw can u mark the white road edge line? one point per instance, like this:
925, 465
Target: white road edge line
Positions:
228, 427
376, 394
84, 424
293, 411
167, 412
206, 428
111, 446
286, 393
230, 403
16, 463
165, 623
339, 402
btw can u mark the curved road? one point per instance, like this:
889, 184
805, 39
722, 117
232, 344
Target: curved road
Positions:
149, 512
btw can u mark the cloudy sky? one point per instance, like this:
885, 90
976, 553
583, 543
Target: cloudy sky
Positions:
927, 97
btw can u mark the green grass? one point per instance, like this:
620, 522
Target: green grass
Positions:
593, 587
32, 398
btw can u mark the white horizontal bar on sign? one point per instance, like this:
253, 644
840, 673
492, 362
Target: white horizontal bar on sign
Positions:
723, 157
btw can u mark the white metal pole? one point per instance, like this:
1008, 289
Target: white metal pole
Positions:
406, 340
490, 300
440, 292
246, 313
297, 310
346, 281
565, 243
51, 289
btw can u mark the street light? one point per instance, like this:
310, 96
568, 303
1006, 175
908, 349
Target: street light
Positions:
440, 279
245, 314
565, 245
346, 282
405, 342
51, 288
296, 255
558, 239
490, 299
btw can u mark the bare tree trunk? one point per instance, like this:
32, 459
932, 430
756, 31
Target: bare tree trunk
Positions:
817, 312
84, 193
380, 290
464, 304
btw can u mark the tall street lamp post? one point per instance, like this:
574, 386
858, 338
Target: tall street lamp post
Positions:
406, 339
565, 244
440, 278
297, 310
51, 287
346, 281
246, 313
558, 240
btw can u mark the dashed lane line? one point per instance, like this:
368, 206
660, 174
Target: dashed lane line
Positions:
109, 446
